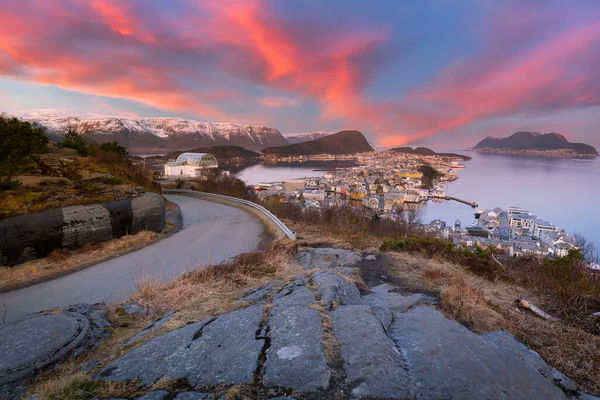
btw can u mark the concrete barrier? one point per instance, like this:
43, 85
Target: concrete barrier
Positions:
35, 235
281, 231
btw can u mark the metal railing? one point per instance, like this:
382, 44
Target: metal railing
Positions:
287, 231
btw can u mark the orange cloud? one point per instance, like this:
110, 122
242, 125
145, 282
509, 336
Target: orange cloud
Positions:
220, 55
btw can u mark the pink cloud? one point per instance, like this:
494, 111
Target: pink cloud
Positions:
223, 54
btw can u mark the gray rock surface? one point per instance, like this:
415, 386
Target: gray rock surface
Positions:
295, 294
507, 343
147, 362
38, 341
374, 367
446, 360
225, 352
384, 303
133, 308
156, 395
259, 295
161, 321
194, 396
334, 288
326, 258
296, 357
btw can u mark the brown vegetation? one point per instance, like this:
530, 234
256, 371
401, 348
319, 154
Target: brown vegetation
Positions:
214, 289
61, 178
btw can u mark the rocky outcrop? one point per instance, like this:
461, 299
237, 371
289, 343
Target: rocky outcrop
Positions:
389, 346
36, 235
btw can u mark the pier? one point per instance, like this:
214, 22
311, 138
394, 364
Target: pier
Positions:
469, 203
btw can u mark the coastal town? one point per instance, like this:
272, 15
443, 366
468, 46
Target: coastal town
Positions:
389, 184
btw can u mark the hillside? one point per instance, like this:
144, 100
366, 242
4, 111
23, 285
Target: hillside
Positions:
343, 142
62, 178
153, 135
294, 138
536, 142
424, 151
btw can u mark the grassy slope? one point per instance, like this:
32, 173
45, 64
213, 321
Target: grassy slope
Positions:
69, 180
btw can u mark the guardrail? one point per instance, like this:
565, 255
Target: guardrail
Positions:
260, 209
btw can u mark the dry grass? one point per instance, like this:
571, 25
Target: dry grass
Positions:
215, 289
312, 234
62, 262
79, 386
485, 306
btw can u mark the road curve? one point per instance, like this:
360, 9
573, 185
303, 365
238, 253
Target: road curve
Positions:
211, 233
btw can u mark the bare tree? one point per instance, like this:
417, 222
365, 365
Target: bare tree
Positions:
589, 251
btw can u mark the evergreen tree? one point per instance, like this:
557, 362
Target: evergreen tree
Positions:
75, 141
19, 142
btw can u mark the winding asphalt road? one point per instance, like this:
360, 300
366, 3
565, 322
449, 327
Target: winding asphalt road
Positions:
211, 233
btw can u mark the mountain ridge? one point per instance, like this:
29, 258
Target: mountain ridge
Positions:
525, 141
160, 134
294, 138
342, 142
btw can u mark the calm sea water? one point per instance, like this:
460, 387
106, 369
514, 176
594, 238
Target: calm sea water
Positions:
565, 192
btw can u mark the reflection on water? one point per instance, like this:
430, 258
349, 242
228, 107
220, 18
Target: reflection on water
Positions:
274, 172
563, 191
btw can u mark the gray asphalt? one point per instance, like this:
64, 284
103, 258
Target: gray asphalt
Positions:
211, 233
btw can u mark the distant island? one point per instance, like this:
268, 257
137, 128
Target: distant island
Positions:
424, 151
343, 142
534, 143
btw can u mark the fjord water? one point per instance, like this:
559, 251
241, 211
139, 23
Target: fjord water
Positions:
563, 191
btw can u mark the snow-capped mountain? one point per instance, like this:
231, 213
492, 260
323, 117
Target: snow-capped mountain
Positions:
152, 134
294, 138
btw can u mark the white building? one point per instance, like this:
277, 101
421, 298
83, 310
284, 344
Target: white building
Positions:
293, 185
190, 165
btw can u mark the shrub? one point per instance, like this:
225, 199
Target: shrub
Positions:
19, 143
75, 141
115, 180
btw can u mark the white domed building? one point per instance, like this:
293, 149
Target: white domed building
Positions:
191, 165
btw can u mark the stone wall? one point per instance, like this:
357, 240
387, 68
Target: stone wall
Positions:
36, 235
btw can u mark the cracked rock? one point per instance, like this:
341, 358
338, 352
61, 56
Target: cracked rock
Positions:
296, 357
383, 302
446, 360
224, 352
161, 321
374, 367
147, 362
259, 295
334, 288
294, 294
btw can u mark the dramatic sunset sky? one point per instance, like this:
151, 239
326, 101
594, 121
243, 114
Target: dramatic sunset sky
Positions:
443, 73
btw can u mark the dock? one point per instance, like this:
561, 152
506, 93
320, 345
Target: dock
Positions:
469, 203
